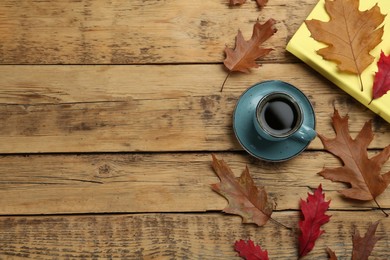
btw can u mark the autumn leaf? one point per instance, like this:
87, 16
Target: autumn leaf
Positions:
245, 199
350, 34
363, 246
261, 3
249, 251
236, 2
332, 255
382, 77
313, 210
363, 174
243, 57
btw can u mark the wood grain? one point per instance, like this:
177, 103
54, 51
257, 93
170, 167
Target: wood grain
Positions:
132, 32
110, 111
175, 236
148, 108
173, 182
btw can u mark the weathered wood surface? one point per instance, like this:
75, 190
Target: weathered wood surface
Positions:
148, 108
175, 236
134, 32
173, 182
101, 161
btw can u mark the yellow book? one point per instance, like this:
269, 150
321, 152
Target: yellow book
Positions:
304, 47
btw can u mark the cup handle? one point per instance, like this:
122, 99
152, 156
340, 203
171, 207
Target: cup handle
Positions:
304, 134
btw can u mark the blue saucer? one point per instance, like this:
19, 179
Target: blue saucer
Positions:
246, 133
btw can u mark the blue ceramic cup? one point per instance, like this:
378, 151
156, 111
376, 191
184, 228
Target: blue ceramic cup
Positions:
278, 116
274, 121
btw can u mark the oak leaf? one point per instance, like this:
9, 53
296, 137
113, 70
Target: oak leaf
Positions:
236, 2
363, 246
331, 253
350, 34
250, 251
313, 211
382, 77
362, 173
261, 3
244, 55
244, 197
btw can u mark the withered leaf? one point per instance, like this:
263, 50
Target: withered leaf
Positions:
245, 199
261, 3
236, 2
363, 174
331, 253
244, 55
350, 34
363, 246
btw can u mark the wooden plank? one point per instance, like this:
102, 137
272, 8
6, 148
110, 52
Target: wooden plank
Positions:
130, 32
56, 184
148, 108
175, 236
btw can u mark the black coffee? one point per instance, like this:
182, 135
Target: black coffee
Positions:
279, 115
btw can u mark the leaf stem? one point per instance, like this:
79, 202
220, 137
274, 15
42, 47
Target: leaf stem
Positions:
223, 84
379, 207
361, 82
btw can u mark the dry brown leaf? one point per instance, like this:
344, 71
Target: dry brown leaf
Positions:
363, 246
236, 2
363, 174
244, 55
261, 3
245, 199
350, 34
332, 254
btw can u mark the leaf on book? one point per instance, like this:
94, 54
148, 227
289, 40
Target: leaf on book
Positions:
363, 174
243, 56
245, 199
382, 77
350, 34
249, 251
363, 246
313, 210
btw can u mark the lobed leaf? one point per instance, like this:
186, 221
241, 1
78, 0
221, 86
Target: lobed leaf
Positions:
244, 197
313, 211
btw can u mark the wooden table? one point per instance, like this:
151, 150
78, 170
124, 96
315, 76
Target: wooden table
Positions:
110, 111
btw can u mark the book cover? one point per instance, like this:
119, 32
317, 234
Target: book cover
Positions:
303, 46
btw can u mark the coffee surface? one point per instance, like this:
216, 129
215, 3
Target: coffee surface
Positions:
279, 116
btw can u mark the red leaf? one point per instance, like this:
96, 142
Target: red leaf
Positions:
249, 251
382, 77
313, 210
